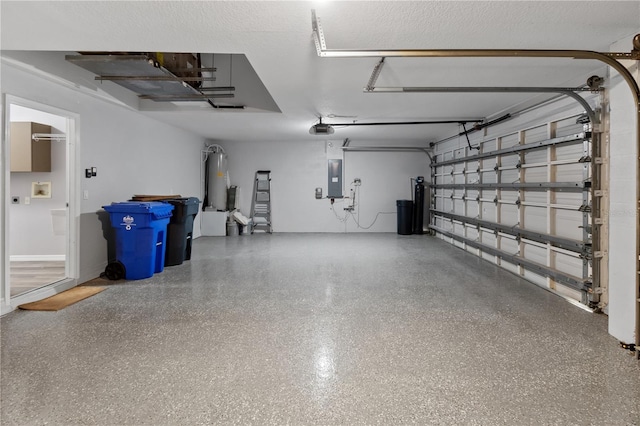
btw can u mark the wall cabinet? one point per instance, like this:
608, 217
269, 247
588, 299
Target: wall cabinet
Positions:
28, 155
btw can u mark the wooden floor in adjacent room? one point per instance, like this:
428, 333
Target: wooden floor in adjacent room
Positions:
28, 275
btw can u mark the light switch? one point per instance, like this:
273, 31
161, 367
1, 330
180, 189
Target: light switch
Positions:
85, 194
27, 200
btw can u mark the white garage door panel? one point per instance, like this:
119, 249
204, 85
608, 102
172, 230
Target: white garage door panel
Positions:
568, 224
508, 245
570, 173
510, 140
510, 176
471, 197
508, 198
567, 292
447, 204
536, 134
535, 278
571, 265
510, 160
568, 127
472, 233
488, 257
488, 238
535, 218
488, 210
538, 156
489, 145
535, 174
489, 177
569, 152
510, 266
510, 214
456, 228
472, 166
536, 197
573, 199
534, 253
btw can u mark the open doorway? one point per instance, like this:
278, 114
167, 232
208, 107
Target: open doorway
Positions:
39, 236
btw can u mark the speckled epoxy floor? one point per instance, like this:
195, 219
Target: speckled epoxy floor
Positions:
318, 329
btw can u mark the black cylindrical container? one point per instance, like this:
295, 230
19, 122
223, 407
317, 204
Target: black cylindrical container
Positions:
418, 208
405, 216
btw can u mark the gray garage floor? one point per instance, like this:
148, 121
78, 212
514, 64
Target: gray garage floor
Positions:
318, 329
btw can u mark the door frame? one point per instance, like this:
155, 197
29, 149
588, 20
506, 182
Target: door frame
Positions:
8, 303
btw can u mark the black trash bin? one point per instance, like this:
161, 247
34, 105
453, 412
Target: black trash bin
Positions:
405, 216
180, 230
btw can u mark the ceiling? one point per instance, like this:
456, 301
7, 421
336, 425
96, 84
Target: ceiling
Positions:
276, 38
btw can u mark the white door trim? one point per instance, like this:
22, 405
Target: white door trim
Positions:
7, 304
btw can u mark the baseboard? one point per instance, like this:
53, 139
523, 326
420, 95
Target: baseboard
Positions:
37, 257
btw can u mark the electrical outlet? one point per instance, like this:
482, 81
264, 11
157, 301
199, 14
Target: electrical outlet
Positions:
15, 199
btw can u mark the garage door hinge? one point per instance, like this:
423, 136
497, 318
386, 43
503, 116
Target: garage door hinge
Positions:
584, 208
597, 290
590, 256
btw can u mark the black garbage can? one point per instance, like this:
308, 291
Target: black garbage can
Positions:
405, 216
180, 230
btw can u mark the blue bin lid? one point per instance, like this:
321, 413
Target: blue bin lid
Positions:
139, 207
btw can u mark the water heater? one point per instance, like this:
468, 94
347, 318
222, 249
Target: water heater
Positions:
217, 183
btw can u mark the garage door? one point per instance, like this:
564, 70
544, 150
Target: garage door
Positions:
524, 198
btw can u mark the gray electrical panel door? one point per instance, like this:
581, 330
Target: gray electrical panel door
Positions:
335, 179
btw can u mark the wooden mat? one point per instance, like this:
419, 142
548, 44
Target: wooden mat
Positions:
62, 300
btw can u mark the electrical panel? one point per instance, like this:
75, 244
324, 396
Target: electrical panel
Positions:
335, 179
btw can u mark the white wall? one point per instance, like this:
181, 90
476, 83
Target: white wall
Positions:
623, 220
133, 153
297, 168
31, 230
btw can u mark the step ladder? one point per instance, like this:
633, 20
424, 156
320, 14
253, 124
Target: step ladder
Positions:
261, 202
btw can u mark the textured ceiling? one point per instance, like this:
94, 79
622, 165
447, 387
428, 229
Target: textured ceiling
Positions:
277, 39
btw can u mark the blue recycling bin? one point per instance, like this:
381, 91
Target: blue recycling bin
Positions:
141, 235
